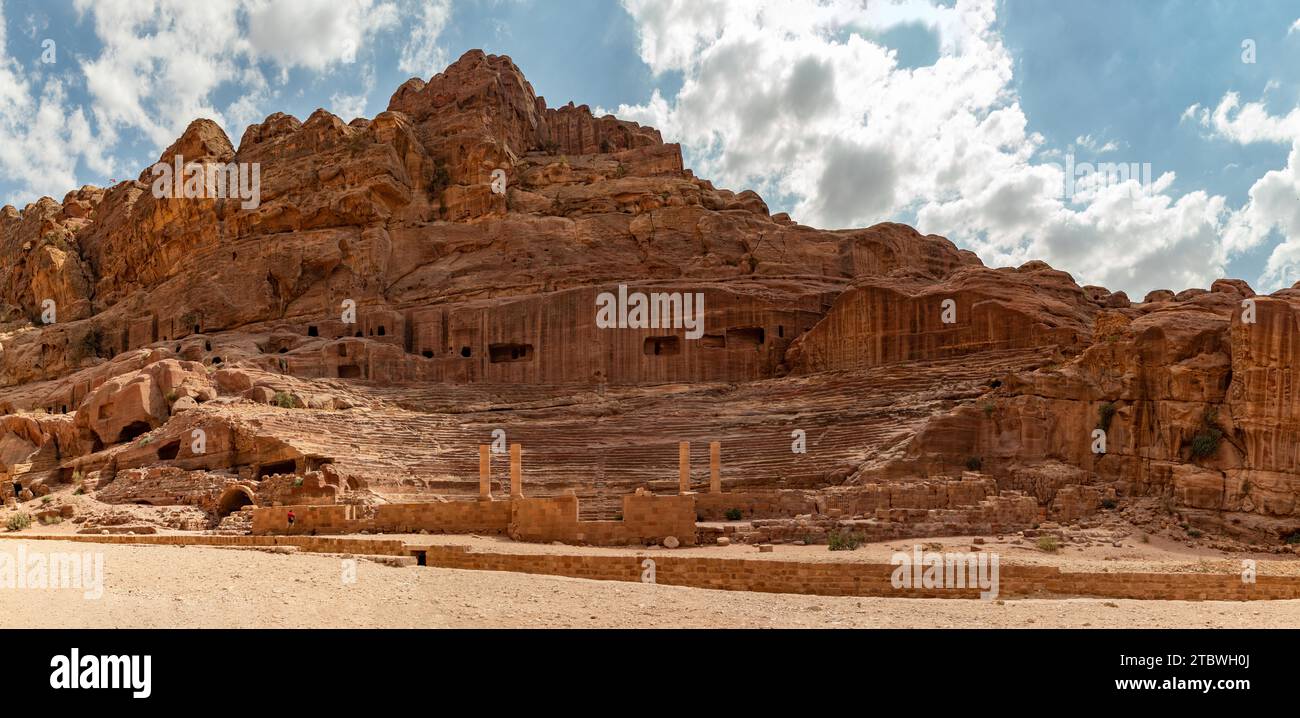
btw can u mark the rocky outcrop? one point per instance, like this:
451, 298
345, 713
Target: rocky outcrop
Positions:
129, 405
407, 284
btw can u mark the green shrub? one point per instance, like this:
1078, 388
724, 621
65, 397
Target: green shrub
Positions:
1105, 413
284, 400
1049, 544
989, 408
734, 514
18, 522
441, 180
1109, 504
1194, 533
297, 482
1206, 441
974, 463
844, 540
1293, 539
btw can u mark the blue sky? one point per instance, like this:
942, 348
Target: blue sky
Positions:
952, 115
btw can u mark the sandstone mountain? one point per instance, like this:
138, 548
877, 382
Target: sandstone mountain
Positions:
475, 311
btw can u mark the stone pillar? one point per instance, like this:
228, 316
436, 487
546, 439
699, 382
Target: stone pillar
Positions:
516, 471
684, 467
484, 472
715, 467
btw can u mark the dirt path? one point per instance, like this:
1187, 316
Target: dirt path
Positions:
166, 586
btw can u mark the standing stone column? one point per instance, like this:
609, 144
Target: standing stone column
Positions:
485, 472
684, 467
516, 471
715, 467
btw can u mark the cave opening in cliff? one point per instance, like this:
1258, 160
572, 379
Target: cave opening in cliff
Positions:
499, 353
427, 353
312, 331
349, 371
168, 451
276, 467
662, 346
132, 431
465, 352
745, 337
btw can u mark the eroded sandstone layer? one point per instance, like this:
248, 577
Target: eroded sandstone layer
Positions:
903, 360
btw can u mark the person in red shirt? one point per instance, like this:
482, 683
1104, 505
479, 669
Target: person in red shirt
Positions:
292, 518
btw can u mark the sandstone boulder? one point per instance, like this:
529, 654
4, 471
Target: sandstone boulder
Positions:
131, 404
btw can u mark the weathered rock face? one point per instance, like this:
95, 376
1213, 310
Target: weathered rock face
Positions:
1191, 399
129, 405
882, 320
407, 284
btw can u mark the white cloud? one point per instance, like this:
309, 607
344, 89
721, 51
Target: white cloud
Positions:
1248, 123
422, 55
1273, 204
162, 62
159, 64
1093, 144
42, 139
315, 34
1295, 27
792, 100
349, 107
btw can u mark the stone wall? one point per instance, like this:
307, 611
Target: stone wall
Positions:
646, 519
865, 579
444, 517
339, 519
774, 576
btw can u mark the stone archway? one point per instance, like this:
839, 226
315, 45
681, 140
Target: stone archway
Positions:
233, 499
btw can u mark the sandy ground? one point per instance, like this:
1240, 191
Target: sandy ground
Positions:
1158, 555
170, 586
